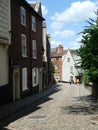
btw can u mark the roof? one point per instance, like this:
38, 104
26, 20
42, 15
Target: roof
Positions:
58, 51
53, 49
76, 57
33, 8
58, 54
37, 7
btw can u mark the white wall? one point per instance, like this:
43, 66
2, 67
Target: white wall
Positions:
4, 40
44, 41
3, 66
66, 67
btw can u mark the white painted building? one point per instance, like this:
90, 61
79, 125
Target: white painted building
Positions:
44, 41
4, 40
70, 67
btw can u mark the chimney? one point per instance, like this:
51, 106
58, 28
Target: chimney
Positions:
59, 49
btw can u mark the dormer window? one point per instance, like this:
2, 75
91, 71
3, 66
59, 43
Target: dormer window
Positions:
57, 59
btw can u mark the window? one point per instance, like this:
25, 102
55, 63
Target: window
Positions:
23, 16
56, 66
58, 75
71, 69
33, 23
24, 79
34, 50
34, 77
68, 59
57, 59
23, 45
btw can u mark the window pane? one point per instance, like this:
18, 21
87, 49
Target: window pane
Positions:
33, 23
24, 78
23, 45
71, 69
34, 49
34, 77
68, 59
23, 16
56, 66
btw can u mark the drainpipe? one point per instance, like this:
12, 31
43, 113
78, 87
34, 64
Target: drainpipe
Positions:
30, 47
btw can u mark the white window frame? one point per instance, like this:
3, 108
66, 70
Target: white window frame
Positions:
23, 45
71, 69
58, 75
24, 79
34, 49
23, 16
33, 24
56, 66
34, 77
68, 59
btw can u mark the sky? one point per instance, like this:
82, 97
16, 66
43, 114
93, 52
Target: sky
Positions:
65, 19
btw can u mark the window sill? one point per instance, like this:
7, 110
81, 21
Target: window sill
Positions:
24, 56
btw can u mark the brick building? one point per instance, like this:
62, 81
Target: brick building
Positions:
26, 59
56, 59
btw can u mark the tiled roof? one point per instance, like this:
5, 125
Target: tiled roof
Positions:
76, 57
58, 54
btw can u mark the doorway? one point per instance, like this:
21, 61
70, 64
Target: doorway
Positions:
16, 86
40, 80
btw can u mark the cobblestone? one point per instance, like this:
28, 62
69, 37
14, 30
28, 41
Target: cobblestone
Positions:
70, 107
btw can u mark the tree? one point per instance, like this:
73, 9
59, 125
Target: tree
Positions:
89, 52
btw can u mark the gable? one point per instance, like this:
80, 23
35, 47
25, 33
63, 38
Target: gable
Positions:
68, 56
37, 7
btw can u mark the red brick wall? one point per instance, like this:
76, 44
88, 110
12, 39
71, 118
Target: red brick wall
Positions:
58, 61
17, 29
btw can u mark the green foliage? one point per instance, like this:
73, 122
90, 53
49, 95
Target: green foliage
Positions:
86, 78
89, 50
53, 70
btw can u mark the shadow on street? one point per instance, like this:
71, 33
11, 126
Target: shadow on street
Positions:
29, 109
84, 105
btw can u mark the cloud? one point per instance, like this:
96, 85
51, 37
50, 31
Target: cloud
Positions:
72, 44
56, 25
77, 12
64, 33
75, 44
44, 10
79, 38
55, 43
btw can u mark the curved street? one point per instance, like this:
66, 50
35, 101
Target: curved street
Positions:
68, 107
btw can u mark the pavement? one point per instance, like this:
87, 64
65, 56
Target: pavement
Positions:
66, 107
9, 109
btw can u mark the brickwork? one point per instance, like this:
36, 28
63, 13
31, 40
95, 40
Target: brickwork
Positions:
16, 58
56, 59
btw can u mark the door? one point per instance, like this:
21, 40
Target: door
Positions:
40, 80
16, 86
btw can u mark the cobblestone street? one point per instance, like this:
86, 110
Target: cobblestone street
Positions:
69, 107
